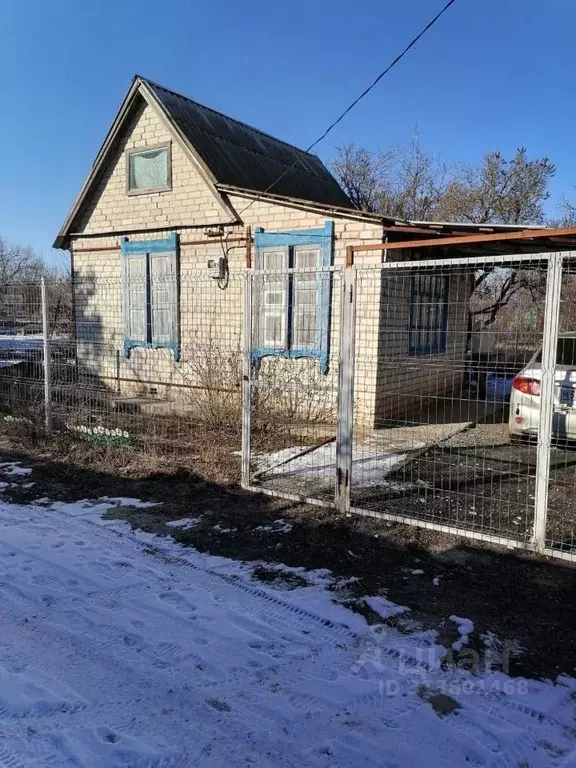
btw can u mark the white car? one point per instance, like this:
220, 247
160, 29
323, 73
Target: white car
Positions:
525, 396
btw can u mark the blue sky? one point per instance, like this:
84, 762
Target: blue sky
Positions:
491, 74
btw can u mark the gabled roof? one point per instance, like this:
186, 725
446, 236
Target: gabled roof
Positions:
228, 152
239, 155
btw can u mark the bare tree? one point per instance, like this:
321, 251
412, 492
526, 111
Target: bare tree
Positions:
500, 190
567, 217
411, 183
415, 185
19, 263
407, 183
365, 176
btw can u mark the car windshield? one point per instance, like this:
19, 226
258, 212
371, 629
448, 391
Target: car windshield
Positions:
565, 352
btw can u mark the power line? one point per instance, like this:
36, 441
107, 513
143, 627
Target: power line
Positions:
351, 106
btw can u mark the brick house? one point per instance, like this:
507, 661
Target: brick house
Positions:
180, 202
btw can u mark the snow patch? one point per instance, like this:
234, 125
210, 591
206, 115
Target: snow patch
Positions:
465, 628
184, 524
126, 501
14, 469
278, 526
370, 465
384, 607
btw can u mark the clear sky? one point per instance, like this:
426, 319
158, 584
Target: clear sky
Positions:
491, 74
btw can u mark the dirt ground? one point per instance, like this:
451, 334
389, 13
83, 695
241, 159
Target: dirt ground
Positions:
529, 604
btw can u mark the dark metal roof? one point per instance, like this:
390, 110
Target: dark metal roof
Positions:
241, 156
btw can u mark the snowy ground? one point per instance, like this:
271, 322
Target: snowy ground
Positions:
318, 465
125, 649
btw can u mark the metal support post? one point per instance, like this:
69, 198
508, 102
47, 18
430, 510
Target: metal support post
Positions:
344, 435
247, 380
46, 359
549, 346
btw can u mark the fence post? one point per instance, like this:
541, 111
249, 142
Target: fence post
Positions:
247, 379
46, 359
345, 428
549, 346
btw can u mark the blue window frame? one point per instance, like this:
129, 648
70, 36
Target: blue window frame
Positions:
150, 269
428, 314
292, 297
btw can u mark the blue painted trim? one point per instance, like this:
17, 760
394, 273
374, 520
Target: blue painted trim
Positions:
325, 291
150, 246
129, 345
145, 247
315, 236
432, 349
324, 237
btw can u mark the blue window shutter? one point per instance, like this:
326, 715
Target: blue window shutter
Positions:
299, 343
151, 294
325, 293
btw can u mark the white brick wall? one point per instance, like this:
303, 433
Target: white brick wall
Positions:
190, 200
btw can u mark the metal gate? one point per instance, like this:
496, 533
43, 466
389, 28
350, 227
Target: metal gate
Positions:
444, 399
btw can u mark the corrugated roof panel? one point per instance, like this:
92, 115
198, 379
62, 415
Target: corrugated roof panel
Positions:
241, 156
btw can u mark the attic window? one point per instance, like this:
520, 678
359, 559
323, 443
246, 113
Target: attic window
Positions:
149, 170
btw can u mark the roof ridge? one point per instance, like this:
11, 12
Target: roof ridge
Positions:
222, 114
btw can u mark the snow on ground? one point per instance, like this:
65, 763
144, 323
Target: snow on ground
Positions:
370, 465
465, 629
184, 524
125, 649
13, 468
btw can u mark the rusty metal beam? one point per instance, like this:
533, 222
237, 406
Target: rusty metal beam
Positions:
524, 234
248, 247
212, 241
410, 230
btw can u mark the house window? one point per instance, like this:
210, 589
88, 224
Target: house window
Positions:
428, 314
149, 170
151, 294
292, 294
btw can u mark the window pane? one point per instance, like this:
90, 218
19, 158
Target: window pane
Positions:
274, 260
136, 294
273, 330
428, 307
306, 258
149, 169
162, 296
304, 330
305, 297
271, 299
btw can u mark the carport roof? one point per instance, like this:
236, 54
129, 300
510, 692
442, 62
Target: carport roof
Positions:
452, 240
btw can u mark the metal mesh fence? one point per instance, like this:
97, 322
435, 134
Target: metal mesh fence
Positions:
436, 356
442, 414
293, 362
437, 393
561, 512
165, 381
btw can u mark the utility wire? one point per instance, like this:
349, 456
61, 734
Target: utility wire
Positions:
351, 106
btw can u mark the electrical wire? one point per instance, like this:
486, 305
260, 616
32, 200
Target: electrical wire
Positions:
351, 106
